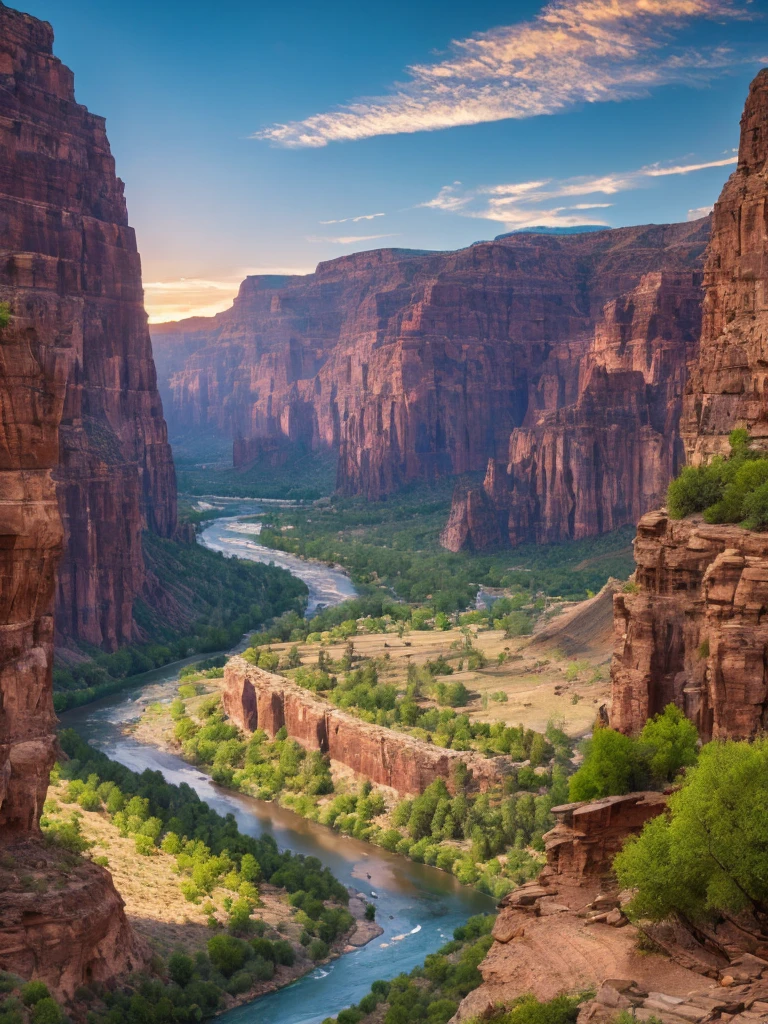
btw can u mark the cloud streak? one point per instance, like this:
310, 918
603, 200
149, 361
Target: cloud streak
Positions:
530, 203
353, 220
572, 52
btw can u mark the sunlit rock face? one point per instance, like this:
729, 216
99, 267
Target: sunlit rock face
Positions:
694, 632
416, 366
72, 276
83, 464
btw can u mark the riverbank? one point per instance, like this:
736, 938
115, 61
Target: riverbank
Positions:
490, 841
417, 906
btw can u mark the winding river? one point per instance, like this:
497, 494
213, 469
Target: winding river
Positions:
417, 906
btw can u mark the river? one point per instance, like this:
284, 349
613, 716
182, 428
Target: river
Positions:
417, 906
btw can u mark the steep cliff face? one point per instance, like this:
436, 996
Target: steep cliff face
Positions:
695, 632
728, 387
412, 365
68, 275
584, 468
255, 699
71, 274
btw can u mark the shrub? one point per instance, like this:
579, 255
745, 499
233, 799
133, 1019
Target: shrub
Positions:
33, 992
5, 314
227, 954
181, 968
668, 742
144, 845
317, 950
47, 1011
609, 767
697, 488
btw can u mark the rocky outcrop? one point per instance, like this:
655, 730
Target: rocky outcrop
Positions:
415, 366
69, 934
694, 631
566, 932
580, 469
588, 835
255, 699
70, 272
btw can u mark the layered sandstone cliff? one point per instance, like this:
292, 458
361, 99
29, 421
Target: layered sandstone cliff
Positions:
580, 469
255, 699
694, 633
66, 260
415, 365
71, 275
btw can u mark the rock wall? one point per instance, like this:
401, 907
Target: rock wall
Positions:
255, 699
70, 271
69, 276
415, 365
585, 468
694, 633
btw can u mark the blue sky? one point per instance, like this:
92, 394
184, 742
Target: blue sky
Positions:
267, 137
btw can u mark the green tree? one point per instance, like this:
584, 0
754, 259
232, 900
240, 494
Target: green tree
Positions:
708, 853
609, 768
227, 954
668, 742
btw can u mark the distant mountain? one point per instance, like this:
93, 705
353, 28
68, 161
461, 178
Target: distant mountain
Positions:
577, 229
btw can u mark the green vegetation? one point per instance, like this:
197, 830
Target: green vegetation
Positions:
5, 314
616, 764
395, 544
707, 856
431, 994
220, 598
733, 490
207, 847
29, 1003
465, 834
204, 466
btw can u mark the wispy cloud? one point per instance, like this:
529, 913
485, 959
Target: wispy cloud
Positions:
347, 239
353, 220
183, 297
529, 203
573, 51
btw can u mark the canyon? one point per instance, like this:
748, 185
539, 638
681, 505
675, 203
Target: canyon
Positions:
691, 628
539, 355
256, 699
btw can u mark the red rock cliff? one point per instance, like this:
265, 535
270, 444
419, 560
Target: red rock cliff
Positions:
255, 699
71, 273
420, 365
55, 182
694, 632
581, 469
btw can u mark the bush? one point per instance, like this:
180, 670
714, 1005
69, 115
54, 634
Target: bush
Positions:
609, 768
5, 314
616, 764
227, 954
668, 742
181, 968
47, 1011
33, 992
317, 950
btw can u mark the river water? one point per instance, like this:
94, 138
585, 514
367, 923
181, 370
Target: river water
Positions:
417, 906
